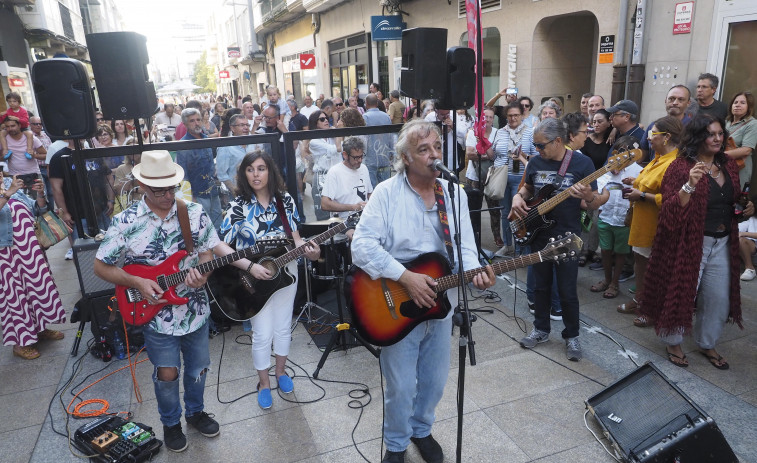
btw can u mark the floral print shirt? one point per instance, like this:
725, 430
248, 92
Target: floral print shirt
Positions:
139, 236
247, 221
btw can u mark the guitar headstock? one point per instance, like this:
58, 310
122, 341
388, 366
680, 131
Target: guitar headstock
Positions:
272, 242
353, 219
562, 248
623, 159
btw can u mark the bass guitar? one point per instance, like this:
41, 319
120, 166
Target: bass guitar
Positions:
136, 310
383, 312
527, 227
262, 290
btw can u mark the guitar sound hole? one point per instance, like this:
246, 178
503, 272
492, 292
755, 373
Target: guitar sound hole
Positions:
270, 266
408, 309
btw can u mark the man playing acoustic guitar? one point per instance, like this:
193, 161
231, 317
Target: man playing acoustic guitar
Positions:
401, 221
148, 233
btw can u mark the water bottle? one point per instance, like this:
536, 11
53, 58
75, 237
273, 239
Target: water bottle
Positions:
119, 345
741, 203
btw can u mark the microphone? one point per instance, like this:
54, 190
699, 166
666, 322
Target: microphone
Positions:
448, 174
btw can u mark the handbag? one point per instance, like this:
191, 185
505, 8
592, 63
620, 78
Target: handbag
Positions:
50, 229
629, 217
730, 144
496, 181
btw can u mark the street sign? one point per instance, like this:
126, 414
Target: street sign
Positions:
223, 74
16, 82
307, 61
606, 49
233, 52
682, 20
387, 27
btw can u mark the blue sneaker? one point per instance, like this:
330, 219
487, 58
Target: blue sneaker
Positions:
285, 384
27, 155
8, 155
264, 398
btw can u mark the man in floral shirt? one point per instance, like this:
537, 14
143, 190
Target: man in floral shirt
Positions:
148, 233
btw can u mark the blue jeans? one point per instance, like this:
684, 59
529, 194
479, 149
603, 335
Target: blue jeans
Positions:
212, 206
513, 180
548, 275
416, 370
166, 351
379, 174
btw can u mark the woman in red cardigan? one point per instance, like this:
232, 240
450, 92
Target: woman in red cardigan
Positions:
695, 255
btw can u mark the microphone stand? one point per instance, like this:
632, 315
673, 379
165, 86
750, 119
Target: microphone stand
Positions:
462, 317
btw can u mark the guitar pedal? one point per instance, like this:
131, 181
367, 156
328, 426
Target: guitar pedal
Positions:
102, 442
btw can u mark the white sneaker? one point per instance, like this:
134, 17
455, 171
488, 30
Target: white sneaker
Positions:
748, 275
504, 251
70, 254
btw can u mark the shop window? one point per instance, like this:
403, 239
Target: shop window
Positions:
740, 67
491, 59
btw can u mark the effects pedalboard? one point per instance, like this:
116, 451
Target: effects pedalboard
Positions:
115, 440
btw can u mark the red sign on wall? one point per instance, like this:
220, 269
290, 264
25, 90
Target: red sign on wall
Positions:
307, 61
223, 74
16, 82
682, 20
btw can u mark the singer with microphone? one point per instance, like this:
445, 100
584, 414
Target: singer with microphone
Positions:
408, 216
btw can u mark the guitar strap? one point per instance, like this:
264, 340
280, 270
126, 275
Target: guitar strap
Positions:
563, 169
283, 215
441, 208
186, 231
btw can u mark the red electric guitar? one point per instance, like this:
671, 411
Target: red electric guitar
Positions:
136, 310
383, 312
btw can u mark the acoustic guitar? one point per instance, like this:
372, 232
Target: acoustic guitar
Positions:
383, 312
527, 227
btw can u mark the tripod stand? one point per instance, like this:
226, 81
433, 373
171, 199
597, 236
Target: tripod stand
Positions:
338, 337
310, 304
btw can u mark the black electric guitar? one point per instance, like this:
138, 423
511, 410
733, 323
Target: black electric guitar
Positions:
527, 227
262, 290
383, 312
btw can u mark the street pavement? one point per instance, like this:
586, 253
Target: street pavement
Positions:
520, 405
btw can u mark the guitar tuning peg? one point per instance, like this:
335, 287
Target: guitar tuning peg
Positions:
551, 240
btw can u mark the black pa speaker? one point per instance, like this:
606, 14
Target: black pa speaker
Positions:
119, 62
423, 69
64, 97
649, 419
461, 79
84, 259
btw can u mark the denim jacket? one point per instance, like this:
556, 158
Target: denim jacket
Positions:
6, 221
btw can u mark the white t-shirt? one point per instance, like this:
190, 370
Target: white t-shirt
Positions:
613, 212
305, 111
347, 186
749, 226
470, 141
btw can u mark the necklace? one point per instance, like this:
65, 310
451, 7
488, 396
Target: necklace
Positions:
709, 169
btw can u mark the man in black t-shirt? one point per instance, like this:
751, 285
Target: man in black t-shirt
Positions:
297, 122
707, 85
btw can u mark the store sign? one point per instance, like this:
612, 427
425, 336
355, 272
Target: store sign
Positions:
683, 15
223, 74
387, 27
233, 52
307, 61
16, 82
606, 49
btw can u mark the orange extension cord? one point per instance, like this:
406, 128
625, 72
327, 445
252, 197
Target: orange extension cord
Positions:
103, 410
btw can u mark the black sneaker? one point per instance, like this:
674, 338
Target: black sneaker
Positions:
202, 422
554, 315
174, 438
596, 266
430, 449
625, 276
394, 457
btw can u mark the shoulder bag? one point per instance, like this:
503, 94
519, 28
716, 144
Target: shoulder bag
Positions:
496, 180
50, 229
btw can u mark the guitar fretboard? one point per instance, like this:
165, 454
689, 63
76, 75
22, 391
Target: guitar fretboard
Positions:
452, 280
299, 251
179, 277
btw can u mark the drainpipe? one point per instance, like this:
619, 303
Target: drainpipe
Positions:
619, 71
636, 68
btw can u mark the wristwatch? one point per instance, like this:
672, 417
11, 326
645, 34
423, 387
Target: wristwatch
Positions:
643, 195
2, 195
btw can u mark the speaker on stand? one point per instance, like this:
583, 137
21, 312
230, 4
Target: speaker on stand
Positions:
649, 419
422, 74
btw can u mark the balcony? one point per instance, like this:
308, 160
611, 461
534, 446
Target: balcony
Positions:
273, 14
13, 3
319, 6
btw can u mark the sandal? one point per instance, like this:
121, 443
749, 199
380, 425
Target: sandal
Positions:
716, 360
26, 352
50, 335
628, 308
599, 287
642, 321
612, 292
682, 362
582, 262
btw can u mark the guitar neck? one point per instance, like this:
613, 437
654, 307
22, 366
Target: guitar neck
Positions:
299, 251
178, 277
552, 202
452, 280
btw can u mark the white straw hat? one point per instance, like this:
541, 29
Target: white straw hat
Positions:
157, 169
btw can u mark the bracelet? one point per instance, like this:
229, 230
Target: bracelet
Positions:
688, 188
250, 267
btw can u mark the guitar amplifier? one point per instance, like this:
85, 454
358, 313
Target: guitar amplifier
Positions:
84, 259
649, 419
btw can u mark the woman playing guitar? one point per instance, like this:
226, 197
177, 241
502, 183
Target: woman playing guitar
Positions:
252, 215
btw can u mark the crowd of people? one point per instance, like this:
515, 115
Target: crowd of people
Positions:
678, 220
